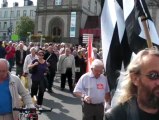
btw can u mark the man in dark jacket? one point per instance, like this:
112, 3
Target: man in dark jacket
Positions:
20, 57
140, 92
2, 51
52, 60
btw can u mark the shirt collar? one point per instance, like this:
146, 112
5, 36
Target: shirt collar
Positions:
92, 75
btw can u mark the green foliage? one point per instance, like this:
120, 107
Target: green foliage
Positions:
24, 25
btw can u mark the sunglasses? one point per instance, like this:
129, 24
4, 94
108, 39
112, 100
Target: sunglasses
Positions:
153, 76
41, 55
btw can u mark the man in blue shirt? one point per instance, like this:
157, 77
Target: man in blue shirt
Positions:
10, 90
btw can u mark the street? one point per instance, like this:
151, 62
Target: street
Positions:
65, 105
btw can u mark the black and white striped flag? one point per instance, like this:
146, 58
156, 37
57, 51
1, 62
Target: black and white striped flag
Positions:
113, 36
133, 12
122, 33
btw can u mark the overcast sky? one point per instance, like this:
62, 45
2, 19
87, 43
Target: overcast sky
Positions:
21, 2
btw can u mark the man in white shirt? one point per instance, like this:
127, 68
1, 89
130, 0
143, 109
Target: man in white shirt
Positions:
93, 88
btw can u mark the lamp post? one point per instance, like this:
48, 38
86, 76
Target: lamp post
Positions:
29, 37
41, 40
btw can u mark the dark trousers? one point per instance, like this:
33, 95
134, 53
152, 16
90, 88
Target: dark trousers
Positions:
11, 64
50, 78
67, 75
92, 111
38, 89
19, 70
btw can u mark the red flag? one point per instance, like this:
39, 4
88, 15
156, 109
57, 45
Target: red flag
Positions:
90, 57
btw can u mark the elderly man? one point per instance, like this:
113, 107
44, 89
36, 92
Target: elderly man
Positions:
93, 88
10, 89
52, 59
20, 55
140, 98
66, 67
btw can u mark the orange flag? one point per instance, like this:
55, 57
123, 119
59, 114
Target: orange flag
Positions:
90, 57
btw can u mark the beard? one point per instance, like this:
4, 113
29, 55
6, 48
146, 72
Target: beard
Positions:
148, 97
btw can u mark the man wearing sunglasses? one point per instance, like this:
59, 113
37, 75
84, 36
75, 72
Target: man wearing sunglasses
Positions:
140, 98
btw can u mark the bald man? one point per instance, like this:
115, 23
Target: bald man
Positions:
10, 90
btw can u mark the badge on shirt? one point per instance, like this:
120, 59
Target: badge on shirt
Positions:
100, 86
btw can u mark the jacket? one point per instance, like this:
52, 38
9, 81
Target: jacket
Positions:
17, 89
18, 56
61, 67
124, 111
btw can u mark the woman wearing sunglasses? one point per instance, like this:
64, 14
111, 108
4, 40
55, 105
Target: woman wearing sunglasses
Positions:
38, 78
140, 98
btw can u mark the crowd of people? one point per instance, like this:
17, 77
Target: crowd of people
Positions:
40, 64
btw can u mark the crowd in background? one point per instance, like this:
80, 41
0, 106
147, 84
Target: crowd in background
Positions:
68, 60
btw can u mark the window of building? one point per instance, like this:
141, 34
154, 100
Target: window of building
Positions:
12, 14
31, 13
5, 25
24, 13
4, 34
58, 2
5, 14
18, 13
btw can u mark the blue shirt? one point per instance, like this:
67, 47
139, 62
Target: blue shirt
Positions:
6, 99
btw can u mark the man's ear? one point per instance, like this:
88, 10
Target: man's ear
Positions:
135, 79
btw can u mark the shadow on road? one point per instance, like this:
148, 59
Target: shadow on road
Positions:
59, 112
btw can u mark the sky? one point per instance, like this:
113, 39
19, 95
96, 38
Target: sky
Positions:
21, 2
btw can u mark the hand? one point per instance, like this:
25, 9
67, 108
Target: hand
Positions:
25, 74
45, 73
36, 63
87, 99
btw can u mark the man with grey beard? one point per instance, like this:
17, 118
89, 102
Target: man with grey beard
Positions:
140, 98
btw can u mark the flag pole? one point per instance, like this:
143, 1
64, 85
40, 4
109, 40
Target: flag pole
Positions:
146, 30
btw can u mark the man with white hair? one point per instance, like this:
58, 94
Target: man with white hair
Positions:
93, 88
66, 67
20, 55
11, 89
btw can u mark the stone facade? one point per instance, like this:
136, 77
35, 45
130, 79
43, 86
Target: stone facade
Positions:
57, 18
9, 16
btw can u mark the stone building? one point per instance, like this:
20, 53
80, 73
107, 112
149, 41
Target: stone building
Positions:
9, 17
62, 20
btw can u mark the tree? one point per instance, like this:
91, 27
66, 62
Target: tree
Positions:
23, 26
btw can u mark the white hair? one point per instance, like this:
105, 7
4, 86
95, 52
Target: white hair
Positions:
32, 48
5, 61
97, 63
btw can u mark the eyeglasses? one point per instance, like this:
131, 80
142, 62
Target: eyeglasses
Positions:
41, 55
152, 76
